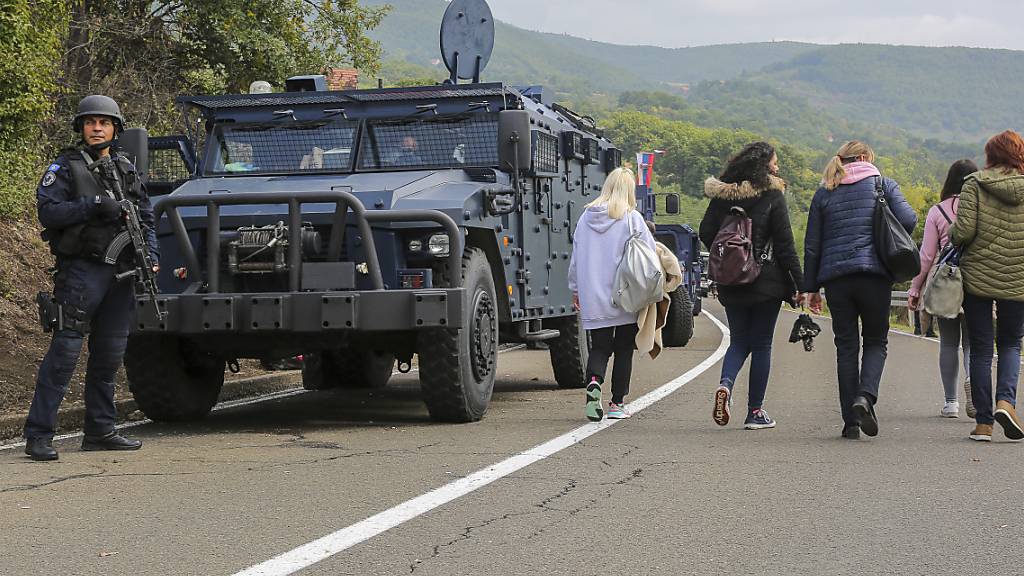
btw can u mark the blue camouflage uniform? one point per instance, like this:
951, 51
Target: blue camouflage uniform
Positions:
93, 302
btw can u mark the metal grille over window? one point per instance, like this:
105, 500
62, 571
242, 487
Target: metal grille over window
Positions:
166, 165
288, 147
545, 153
450, 142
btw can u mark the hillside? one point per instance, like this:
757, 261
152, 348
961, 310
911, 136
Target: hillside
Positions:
949, 94
686, 65
410, 33
945, 93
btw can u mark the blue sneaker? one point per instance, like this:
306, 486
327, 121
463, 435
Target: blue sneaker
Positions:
757, 420
594, 411
617, 411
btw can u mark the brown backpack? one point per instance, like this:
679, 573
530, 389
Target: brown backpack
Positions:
732, 261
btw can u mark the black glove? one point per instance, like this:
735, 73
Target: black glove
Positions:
107, 208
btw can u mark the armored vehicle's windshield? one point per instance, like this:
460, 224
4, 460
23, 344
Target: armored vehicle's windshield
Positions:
289, 147
283, 147
443, 142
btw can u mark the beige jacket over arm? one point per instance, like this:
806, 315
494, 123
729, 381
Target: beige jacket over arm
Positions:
652, 319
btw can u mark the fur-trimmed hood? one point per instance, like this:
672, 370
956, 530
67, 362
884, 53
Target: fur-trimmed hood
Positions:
715, 188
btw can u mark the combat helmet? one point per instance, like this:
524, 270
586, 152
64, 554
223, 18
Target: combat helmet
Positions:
98, 105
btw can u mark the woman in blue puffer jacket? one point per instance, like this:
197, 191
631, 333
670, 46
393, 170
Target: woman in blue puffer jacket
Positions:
839, 254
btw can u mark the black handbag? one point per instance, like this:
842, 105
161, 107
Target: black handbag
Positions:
896, 249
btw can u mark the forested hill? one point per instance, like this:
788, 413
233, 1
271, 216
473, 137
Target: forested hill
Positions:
951, 94
410, 33
946, 93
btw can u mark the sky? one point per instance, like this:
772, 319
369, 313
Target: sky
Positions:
680, 23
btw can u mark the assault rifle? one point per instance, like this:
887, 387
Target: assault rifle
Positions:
145, 278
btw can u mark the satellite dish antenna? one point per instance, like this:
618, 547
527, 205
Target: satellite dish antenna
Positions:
467, 39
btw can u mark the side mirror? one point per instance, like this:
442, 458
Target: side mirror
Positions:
672, 204
514, 140
135, 142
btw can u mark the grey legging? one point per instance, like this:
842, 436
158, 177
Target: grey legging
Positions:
953, 333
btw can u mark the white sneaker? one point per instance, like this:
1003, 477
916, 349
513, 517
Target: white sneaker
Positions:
951, 410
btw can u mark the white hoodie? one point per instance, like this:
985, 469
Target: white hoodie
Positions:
597, 247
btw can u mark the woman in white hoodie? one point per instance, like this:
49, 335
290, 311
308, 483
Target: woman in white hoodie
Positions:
597, 246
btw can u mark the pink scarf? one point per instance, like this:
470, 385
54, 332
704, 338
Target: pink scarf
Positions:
857, 171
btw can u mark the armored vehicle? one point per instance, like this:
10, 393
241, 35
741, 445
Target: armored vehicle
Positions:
361, 228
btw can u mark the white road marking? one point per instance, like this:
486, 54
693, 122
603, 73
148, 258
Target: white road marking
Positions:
337, 542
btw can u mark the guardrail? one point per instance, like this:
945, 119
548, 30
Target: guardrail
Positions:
899, 299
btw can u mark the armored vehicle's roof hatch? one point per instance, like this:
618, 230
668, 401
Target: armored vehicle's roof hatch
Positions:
467, 38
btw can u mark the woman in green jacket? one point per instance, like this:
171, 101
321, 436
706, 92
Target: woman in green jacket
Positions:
990, 227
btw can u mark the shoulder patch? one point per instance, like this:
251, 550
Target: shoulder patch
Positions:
53, 168
49, 178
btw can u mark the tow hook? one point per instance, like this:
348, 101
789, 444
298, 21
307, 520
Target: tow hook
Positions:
233, 365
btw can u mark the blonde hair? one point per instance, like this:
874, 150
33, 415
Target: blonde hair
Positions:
849, 152
618, 193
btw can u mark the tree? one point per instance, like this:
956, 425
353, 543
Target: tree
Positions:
145, 53
30, 43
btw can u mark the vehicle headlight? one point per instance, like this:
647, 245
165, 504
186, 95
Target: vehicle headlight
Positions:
415, 245
438, 245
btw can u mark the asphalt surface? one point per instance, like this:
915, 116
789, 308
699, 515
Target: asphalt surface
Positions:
666, 492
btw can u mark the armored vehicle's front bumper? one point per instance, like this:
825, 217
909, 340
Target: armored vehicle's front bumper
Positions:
304, 312
205, 309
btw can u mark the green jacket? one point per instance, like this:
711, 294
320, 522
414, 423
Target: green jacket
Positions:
990, 223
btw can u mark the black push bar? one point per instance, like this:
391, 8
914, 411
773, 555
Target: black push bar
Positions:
344, 201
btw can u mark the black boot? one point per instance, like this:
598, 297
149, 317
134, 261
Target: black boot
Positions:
112, 441
40, 449
863, 408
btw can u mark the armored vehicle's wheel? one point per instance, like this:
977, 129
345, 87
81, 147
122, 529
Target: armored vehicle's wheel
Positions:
319, 371
679, 323
569, 352
347, 369
171, 379
457, 366
698, 305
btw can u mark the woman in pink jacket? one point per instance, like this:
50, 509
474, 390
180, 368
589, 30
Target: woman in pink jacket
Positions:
952, 331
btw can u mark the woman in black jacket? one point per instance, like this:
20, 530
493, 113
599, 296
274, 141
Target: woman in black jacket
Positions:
750, 182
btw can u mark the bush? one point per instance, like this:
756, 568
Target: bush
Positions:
31, 43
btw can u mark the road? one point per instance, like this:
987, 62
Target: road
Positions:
666, 492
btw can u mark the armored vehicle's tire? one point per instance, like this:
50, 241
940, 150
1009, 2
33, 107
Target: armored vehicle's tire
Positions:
679, 323
698, 305
171, 379
364, 369
457, 367
569, 352
347, 369
318, 371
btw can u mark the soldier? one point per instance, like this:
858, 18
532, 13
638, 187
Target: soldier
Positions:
78, 209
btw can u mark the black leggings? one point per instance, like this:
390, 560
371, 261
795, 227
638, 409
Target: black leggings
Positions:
617, 340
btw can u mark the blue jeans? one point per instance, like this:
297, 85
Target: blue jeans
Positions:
1008, 333
751, 327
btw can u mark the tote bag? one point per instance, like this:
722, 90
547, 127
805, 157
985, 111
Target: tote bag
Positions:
895, 248
943, 295
639, 280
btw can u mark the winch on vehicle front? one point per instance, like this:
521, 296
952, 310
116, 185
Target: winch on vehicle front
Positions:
264, 249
